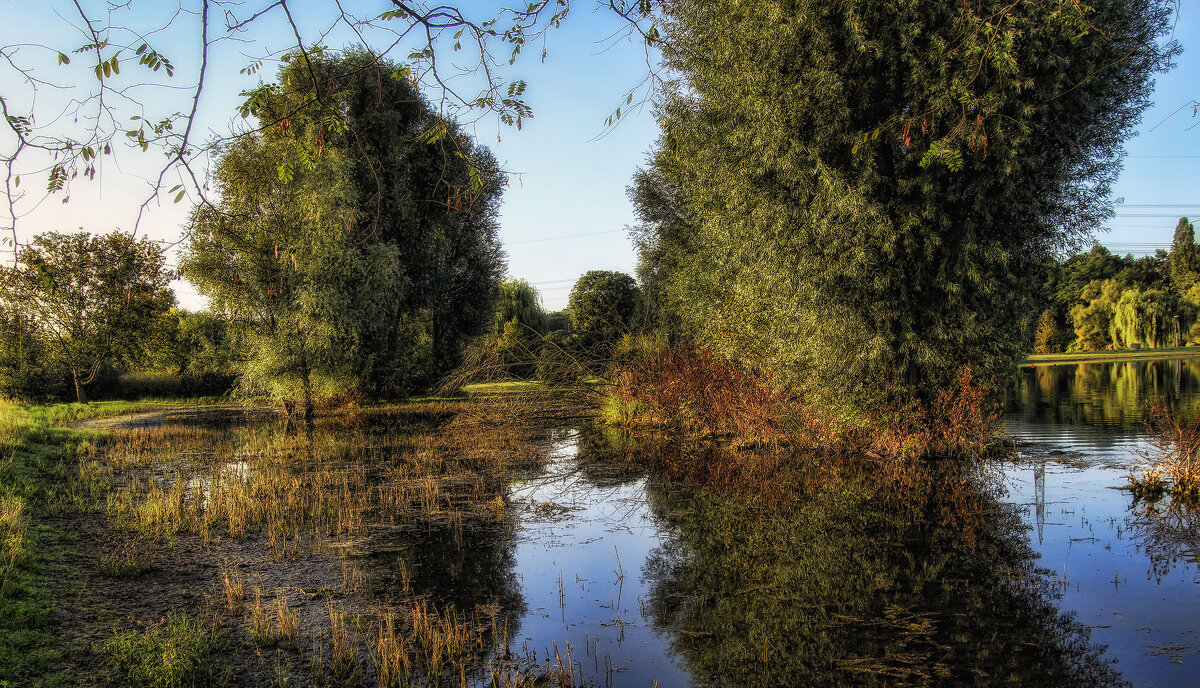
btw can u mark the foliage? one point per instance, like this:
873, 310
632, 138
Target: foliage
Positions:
1175, 455
1049, 336
870, 185
90, 300
1184, 259
355, 242
1093, 317
603, 305
521, 303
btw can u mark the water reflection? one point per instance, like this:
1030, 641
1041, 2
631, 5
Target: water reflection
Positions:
1100, 394
840, 592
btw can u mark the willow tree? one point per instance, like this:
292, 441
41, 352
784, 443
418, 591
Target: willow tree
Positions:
521, 303
356, 233
871, 183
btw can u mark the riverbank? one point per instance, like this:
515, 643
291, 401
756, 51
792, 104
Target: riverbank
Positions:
1110, 356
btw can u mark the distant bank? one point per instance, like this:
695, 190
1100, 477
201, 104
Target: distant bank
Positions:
1105, 356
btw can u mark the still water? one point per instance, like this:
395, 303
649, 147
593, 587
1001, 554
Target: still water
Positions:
1065, 582
1127, 571
1037, 571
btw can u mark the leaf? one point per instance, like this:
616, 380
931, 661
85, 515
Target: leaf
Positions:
141, 49
854, 150
107, 67
63, 59
17, 180
179, 196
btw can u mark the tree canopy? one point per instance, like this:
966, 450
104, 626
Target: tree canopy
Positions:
870, 186
355, 237
603, 305
81, 301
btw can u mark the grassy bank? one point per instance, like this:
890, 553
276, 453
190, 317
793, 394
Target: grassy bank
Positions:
1110, 356
37, 471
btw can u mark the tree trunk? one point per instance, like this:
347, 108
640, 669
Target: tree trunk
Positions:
306, 381
80, 395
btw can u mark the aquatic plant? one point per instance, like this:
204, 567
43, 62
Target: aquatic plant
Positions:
1174, 457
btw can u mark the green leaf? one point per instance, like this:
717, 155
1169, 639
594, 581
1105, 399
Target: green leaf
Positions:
63, 59
141, 49
179, 196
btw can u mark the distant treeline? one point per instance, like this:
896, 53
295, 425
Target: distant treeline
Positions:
1097, 300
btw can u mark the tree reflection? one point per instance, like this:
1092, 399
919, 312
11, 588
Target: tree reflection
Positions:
839, 591
1112, 394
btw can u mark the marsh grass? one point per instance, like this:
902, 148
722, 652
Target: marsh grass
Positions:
177, 652
233, 585
1174, 460
364, 469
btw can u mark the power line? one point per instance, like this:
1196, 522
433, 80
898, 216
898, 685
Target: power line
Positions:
565, 236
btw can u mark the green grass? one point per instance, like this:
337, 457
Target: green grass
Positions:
174, 653
505, 387
39, 475
1121, 355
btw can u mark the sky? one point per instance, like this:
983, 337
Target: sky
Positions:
565, 211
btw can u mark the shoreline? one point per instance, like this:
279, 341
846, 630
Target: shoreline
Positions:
1111, 356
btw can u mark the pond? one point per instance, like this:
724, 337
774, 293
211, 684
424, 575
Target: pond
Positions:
1127, 571
1072, 583
1036, 571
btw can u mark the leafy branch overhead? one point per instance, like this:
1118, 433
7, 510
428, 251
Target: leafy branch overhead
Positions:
458, 56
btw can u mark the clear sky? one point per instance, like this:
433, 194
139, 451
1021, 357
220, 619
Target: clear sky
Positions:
565, 211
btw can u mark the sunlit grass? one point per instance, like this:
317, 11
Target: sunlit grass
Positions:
175, 653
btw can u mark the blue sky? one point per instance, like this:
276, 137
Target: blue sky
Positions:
566, 210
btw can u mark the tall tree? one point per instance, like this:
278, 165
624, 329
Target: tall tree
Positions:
356, 234
871, 184
90, 299
1184, 260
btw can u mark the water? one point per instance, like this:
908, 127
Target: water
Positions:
1070, 583
1128, 572
1038, 571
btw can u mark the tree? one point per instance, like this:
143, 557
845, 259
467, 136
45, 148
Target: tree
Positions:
1184, 259
520, 303
872, 184
1093, 316
1049, 336
355, 238
89, 299
661, 239
603, 305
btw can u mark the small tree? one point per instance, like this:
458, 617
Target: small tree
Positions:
603, 304
90, 299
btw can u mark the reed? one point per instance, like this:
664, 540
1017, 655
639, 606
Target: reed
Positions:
233, 585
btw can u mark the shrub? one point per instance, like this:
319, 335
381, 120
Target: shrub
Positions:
1175, 454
